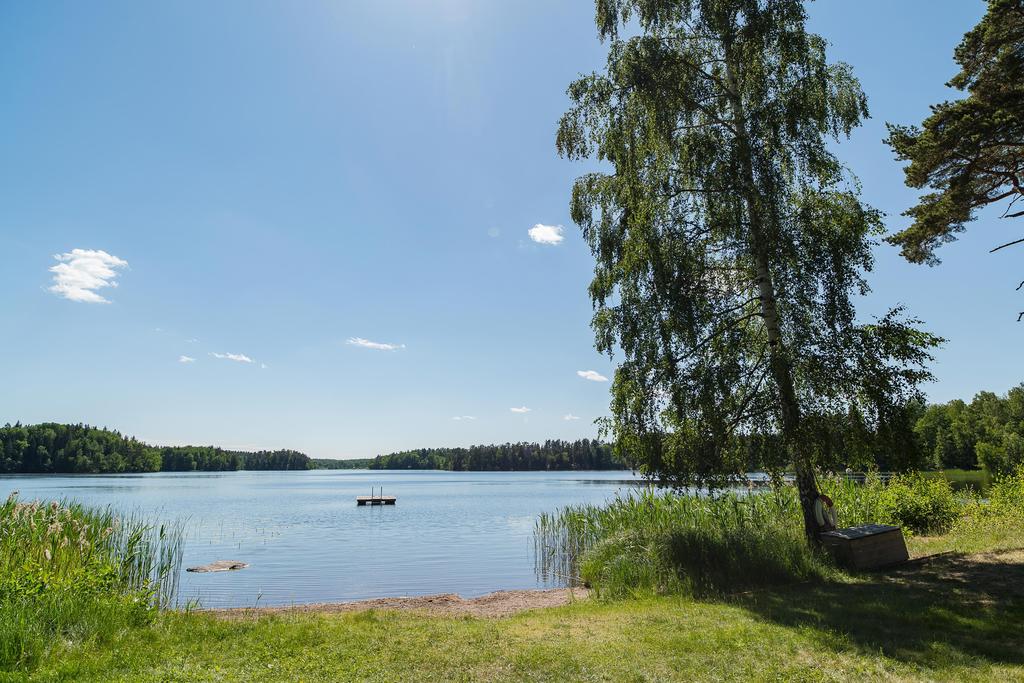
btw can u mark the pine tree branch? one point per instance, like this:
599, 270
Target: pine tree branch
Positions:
1008, 244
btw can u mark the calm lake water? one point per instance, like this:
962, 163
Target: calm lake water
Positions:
306, 540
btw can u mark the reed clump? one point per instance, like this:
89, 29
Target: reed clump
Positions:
662, 542
69, 573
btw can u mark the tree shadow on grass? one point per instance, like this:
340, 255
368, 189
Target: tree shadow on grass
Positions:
949, 607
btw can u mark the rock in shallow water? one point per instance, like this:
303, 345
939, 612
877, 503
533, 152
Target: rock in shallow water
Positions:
219, 566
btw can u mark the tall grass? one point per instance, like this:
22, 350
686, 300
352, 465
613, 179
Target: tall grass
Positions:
70, 573
700, 544
663, 542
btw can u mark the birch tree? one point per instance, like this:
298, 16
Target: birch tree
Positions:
729, 243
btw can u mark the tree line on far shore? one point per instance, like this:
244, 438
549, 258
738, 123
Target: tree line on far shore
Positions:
82, 449
986, 433
582, 454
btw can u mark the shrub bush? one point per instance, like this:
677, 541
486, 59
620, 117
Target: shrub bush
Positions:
918, 503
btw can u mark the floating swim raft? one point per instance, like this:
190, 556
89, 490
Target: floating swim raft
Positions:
376, 498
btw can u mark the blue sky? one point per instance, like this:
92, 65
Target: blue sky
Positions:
283, 180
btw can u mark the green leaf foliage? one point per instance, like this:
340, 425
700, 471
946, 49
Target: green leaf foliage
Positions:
969, 153
730, 243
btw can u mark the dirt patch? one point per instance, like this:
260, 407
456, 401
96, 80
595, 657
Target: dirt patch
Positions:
984, 578
500, 604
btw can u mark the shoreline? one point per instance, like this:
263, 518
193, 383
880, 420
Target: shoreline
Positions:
491, 605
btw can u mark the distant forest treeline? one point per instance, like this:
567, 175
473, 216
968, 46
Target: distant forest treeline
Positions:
986, 432
82, 449
584, 454
340, 464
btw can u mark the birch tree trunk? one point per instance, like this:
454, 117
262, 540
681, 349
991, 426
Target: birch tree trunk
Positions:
781, 368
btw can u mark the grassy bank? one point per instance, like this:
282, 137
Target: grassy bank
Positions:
74, 575
957, 618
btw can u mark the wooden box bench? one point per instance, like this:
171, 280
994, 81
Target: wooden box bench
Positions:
866, 547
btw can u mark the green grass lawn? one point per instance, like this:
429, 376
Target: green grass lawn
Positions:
951, 618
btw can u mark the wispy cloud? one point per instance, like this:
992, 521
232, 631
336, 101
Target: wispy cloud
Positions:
80, 272
494, 232
546, 234
193, 340
237, 357
570, 416
523, 409
592, 375
186, 359
464, 417
379, 346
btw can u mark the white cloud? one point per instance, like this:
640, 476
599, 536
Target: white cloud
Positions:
186, 359
464, 417
263, 366
546, 234
592, 375
82, 271
570, 416
494, 232
193, 340
379, 346
237, 357
524, 409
